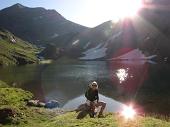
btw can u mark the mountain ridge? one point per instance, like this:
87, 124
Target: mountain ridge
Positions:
36, 25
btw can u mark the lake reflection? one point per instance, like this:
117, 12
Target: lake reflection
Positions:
128, 76
122, 74
121, 81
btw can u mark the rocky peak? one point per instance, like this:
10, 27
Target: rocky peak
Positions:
18, 5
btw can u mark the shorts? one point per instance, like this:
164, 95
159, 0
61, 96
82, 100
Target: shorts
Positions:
88, 102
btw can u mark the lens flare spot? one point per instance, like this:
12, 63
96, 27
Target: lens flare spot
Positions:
122, 74
128, 112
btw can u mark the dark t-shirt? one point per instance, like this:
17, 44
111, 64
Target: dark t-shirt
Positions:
92, 95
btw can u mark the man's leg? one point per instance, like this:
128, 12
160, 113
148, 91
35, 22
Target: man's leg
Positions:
81, 108
103, 106
92, 109
92, 106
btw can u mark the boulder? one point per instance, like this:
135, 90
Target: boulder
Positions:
12, 39
41, 104
35, 103
6, 115
83, 110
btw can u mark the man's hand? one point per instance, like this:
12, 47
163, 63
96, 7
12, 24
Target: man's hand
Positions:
92, 103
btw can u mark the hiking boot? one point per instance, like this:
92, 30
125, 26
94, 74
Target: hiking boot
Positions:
92, 115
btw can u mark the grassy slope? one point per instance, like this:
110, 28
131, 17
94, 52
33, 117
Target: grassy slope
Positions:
111, 120
3, 84
15, 99
10, 52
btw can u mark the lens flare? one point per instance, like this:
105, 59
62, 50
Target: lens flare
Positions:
128, 112
114, 10
122, 74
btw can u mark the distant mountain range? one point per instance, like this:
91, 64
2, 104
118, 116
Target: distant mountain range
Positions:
149, 32
36, 25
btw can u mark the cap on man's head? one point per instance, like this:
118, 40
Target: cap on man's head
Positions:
93, 84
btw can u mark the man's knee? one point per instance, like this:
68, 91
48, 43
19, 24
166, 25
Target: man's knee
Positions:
103, 104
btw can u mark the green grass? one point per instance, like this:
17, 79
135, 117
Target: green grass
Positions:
3, 84
152, 122
16, 100
69, 120
13, 97
10, 52
111, 120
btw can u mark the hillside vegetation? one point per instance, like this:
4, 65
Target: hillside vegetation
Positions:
13, 109
15, 51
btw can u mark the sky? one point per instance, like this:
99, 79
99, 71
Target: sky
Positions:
89, 13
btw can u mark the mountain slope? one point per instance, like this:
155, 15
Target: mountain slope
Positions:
36, 25
93, 38
15, 51
149, 32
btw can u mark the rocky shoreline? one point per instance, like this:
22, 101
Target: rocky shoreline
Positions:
18, 109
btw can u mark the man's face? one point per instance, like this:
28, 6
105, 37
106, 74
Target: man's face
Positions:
94, 87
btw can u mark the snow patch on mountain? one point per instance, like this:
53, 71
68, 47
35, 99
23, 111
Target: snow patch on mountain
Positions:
115, 36
95, 53
87, 45
75, 42
135, 54
99, 51
54, 35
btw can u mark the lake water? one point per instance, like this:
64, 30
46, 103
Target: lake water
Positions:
144, 83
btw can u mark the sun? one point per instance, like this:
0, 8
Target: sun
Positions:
127, 8
115, 9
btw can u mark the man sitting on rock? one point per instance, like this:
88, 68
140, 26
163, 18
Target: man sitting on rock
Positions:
92, 96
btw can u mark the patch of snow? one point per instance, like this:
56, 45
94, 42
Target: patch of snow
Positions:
151, 57
95, 53
55, 35
99, 51
115, 36
75, 42
12, 39
92, 49
86, 46
135, 54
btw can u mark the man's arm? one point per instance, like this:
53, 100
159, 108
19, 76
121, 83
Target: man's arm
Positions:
86, 94
97, 95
